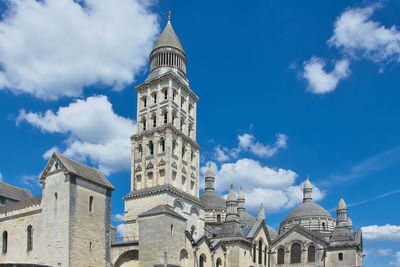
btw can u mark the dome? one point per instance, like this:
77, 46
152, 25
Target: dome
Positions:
306, 209
213, 200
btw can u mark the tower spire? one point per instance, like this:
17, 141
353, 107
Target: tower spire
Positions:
307, 190
261, 213
169, 15
241, 201
210, 179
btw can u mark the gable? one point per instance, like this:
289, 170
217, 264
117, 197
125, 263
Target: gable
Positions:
300, 234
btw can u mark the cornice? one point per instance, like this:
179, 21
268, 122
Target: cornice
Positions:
160, 129
166, 76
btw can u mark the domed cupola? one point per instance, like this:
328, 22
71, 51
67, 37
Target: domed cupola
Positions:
167, 53
309, 215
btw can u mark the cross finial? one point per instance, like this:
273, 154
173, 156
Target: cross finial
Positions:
169, 15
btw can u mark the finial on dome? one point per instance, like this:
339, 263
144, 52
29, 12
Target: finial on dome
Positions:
169, 15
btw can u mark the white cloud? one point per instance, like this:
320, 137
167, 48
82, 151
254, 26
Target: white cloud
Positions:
120, 230
321, 82
248, 143
384, 252
397, 262
51, 49
31, 181
360, 37
382, 233
118, 217
93, 132
276, 188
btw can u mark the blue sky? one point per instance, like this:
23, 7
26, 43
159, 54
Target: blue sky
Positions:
287, 89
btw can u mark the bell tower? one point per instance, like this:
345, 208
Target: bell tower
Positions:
164, 149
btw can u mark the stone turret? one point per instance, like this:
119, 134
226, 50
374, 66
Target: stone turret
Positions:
261, 213
232, 206
341, 213
210, 179
241, 201
307, 191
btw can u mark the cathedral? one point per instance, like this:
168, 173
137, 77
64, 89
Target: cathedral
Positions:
167, 222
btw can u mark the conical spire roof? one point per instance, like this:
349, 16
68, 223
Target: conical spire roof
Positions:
241, 194
342, 205
209, 172
232, 194
261, 213
168, 38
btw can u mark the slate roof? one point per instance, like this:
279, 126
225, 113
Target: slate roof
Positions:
307, 208
162, 209
83, 171
213, 200
14, 193
168, 38
249, 220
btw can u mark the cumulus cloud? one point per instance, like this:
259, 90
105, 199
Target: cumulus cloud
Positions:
51, 49
118, 217
320, 81
93, 132
382, 233
276, 188
397, 262
120, 230
384, 252
360, 37
248, 143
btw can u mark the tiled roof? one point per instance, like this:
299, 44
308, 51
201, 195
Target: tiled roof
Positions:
14, 193
84, 171
161, 209
168, 38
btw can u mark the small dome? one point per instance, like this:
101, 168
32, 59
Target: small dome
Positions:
342, 205
232, 196
306, 209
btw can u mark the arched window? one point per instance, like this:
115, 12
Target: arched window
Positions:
90, 203
281, 256
5, 242
295, 253
183, 257
254, 253
174, 147
192, 230
154, 119
140, 150
165, 115
311, 254
165, 94
265, 255
29, 238
162, 145
151, 148
182, 124
260, 251
155, 98
202, 260
55, 201
218, 218
182, 101
340, 256
144, 124
183, 152
323, 226
144, 101
218, 263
